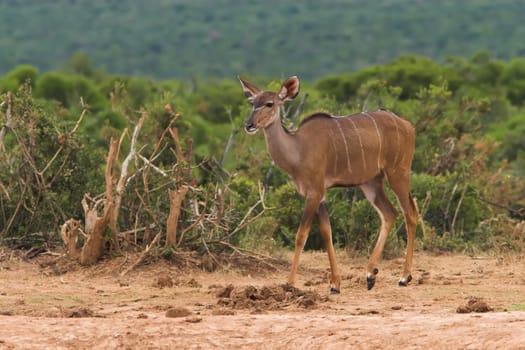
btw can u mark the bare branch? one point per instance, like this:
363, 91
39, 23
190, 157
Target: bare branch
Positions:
9, 120
131, 154
152, 166
229, 143
124, 175
176, 198
163, 135
135, 230
94, 245
199, 217
247, 219
4, 189
61, 148
143, 255
69, 233
147, 208
456, 212
247, 253
178, 150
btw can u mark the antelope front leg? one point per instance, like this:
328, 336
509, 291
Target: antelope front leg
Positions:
326, 233
310, 208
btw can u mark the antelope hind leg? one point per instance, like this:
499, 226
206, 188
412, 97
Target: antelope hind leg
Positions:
401, 188
375, 194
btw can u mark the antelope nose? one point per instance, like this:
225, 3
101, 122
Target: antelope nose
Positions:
250, 128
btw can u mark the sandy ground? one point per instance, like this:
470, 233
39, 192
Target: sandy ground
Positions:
44, 305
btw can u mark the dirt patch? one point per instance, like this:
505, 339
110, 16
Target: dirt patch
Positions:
165, 305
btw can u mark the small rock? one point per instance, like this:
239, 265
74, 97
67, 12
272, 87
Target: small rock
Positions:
194, 319
178, 312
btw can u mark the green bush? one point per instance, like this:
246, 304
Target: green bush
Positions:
68, 89
45, 172
22, 74
469, 150
363, 225
513, 77
450, 206
53, 86
288, 209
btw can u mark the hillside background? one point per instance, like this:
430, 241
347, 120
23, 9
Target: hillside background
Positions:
223, 38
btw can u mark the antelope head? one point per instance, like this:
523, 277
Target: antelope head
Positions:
266, 104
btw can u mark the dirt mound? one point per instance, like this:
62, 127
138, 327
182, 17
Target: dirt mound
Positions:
274, 297
78, 312
474, 305
166, 281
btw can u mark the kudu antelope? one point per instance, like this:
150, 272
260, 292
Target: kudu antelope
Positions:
328, 151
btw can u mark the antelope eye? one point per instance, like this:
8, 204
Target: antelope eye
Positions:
269, 104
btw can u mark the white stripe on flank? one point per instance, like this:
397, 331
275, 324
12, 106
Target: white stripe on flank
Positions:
360, 143
396, 119
335, 152
378, 138
346, 145
398, 137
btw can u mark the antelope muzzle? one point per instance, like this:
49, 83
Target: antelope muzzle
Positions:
250, 128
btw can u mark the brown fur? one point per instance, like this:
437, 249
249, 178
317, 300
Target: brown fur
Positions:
325, 151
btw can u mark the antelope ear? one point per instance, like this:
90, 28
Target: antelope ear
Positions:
250, 90
289, 89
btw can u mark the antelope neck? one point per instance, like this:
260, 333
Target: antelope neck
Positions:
282, 146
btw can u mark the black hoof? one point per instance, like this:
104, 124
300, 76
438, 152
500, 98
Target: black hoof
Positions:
334, 291
370, 281
403, 283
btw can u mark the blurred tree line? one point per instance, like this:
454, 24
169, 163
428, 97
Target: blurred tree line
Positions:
221, 38
468, 170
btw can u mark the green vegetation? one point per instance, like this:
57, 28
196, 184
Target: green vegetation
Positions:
221, 38
467, 174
